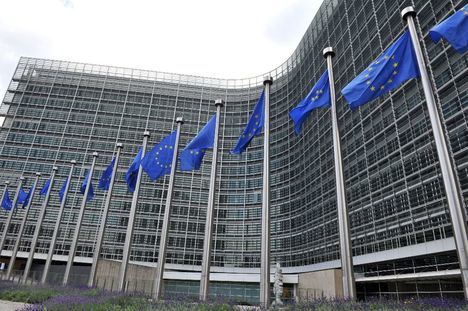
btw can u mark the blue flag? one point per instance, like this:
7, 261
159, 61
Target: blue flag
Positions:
6, 202
26, 202
454, 29
191, 157
45, 188
132, 172
254, 126
62, 190
158, 161
319, 96
391, 69
87, 180
104, 181
23, 198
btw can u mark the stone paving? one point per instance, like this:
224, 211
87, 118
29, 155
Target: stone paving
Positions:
11, 306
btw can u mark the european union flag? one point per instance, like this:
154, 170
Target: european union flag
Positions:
319, 96
23, 198
158, 161
192, 155
87, 180
132, 172
104, 181
454, 29
26, 202
62, 190
254, 126
45, 188
6, 202
393, 67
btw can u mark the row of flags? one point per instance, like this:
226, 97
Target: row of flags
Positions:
23, 196
396, 65
156, 163
391, 69
23, 199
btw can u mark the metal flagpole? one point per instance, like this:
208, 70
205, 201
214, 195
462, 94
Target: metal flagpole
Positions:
451, 187
102, 227
38, 227
10, 215
207, 243
71, 253
50, 253
131, 221
21, 230
349, 288
167, 214
265, 245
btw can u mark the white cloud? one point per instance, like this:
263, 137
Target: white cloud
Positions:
226, 39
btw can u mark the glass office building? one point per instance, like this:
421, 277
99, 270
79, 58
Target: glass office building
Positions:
57, 111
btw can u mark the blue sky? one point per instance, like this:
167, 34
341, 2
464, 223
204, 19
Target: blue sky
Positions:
215, 38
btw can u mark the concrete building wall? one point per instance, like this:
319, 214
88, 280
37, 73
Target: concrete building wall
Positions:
57, 111
139, 278
317, 284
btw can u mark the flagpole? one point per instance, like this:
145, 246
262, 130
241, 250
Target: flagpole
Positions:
10, 215
265, 244
21, 230
50, 253
346, 254
167, 214
207, 242
27, 268
102, 227
76, 234
131, 221
452, 189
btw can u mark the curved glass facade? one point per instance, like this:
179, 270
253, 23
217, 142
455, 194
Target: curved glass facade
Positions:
56, 111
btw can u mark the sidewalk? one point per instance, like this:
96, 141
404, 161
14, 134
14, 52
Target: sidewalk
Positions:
11, 306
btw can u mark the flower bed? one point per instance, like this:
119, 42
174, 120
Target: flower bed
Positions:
55, 298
